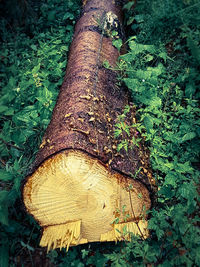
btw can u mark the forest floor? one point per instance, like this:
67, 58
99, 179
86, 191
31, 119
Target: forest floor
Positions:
160, 69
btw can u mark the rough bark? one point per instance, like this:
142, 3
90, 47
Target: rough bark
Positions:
80, 185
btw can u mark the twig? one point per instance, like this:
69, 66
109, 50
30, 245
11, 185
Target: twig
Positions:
2, 162
81, 131
11, 145
134, 215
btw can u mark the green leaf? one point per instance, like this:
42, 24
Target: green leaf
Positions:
139, 18
34, 47
149, 58
155, 102
36, 69
126, 129
10, 111
130, 20
5, 176
133, 84
119, 147
106, 64
163, 55
12, 82
3, 109
126, 109
137, 48
156, 71
84, 253
184, 167
117, 43
128, 5
68, 15
17, 185
166, 191
148, 122
118, 125
117, 132
58, 41
187, 137
170, 179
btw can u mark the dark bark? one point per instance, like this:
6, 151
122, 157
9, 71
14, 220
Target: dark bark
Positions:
90, 101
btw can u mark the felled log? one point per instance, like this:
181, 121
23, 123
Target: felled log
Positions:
80, 189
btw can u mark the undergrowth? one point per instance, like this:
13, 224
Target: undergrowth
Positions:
33, 61
161, 70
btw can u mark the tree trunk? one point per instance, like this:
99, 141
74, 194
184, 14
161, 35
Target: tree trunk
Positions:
80, 188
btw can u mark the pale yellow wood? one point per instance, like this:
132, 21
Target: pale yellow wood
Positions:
63, 235
76, 199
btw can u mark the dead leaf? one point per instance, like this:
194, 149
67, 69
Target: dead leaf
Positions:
68, 115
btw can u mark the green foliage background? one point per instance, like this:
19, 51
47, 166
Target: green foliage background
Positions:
161, 70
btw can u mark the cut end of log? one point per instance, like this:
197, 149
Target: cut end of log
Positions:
77, 199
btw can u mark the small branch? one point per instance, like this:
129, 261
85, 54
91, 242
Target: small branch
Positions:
2, 162
135, 216
14, 146
81, 131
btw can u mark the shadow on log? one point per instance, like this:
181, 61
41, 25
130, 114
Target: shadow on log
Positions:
80, 189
